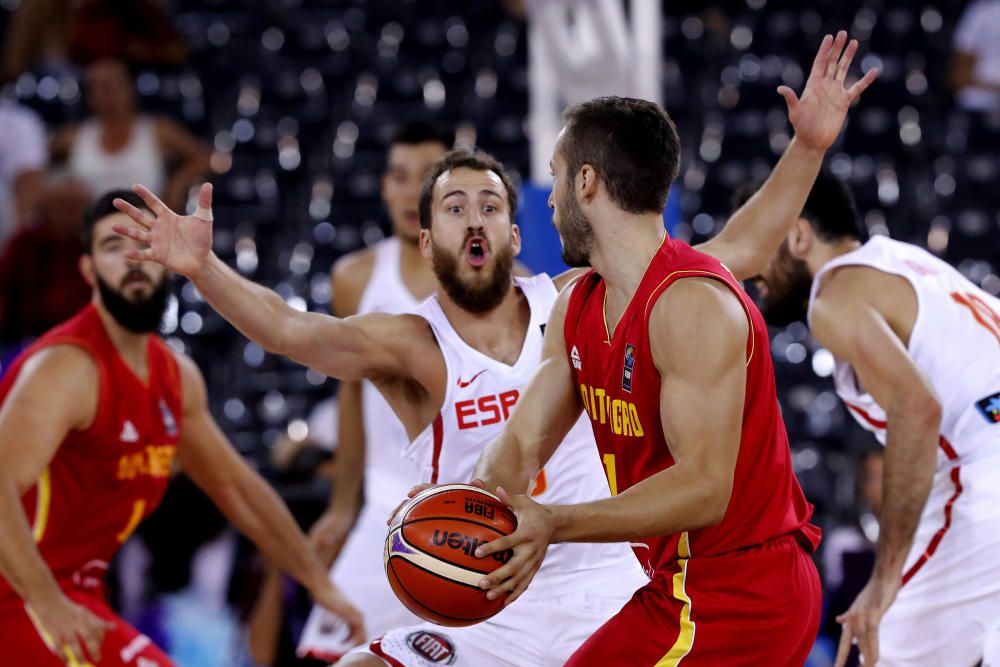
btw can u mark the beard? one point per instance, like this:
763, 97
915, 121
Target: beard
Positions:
576, 234
481, 296
142, 316
787, 298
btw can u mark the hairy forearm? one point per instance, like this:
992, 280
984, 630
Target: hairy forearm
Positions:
257, 512
258, 312
669, 502
910, 461
21, 564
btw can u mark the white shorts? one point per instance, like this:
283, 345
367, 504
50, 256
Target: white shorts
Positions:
947, 610
535, 631
360, 574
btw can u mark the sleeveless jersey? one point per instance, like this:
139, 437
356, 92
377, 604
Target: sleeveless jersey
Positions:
955, 342
139, 161
388, 476
620, 389
107, 478
481, 393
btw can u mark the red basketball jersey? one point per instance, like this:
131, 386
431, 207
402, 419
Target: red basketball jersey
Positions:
620, 389
104, 480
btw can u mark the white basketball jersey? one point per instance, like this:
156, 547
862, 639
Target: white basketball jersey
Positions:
481, 393
388, 475
955, 342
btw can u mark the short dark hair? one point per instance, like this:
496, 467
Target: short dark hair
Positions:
475, 160
632, 144
829, 208
102, 208
423, 132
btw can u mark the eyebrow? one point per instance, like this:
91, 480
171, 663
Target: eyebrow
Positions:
484, 191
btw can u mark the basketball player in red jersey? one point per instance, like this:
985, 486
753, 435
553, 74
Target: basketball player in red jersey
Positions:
670, 360
92, 417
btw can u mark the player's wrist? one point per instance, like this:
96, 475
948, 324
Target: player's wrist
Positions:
44, 596
807, 147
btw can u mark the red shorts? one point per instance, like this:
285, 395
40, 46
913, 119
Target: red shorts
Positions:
123, 645
755, 607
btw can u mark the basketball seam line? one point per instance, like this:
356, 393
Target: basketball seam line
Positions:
399, 580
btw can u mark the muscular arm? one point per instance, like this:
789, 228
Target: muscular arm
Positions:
32, 426
544, 415
698, 333
347, 349
239, 492
754, 232
852, 325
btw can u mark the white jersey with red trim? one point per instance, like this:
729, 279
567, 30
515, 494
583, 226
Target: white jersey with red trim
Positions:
955, 342
950, 596
481, 393
388, 476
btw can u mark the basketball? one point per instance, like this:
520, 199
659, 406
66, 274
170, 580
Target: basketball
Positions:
430, 553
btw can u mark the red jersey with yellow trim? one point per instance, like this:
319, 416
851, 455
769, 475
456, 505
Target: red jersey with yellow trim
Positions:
105, 479
620, 389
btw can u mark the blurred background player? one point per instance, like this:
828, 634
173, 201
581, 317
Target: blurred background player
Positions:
78, 474
663, 346
389, 277
918, 363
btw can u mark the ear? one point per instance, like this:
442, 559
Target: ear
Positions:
801, 238
86, 264
515, 239
586, 183
425, 243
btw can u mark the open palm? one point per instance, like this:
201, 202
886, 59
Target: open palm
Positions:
819, 114
181, 243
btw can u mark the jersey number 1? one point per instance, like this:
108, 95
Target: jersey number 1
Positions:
609, 466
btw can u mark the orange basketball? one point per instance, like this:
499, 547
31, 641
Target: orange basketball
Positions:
430, 553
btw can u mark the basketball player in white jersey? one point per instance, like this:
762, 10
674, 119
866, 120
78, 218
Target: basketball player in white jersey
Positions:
917, 350
389, 277
453, 370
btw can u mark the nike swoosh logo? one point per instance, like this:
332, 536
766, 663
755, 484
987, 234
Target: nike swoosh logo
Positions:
462, 385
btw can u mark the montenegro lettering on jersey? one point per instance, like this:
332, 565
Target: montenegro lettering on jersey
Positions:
620, 390
102, 481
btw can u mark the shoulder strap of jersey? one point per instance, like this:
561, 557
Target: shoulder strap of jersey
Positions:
583, 288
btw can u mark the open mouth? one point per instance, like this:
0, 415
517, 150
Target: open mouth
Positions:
477, 252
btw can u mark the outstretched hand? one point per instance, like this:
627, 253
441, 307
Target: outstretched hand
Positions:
181, 243
819, 114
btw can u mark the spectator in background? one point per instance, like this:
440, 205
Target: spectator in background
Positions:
975, 62
40, 281
22, 163
120, 147
56, 34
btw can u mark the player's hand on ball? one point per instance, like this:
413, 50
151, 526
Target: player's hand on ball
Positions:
529, 542
860, 622
181, 243
330, 598
75, 631
819, 114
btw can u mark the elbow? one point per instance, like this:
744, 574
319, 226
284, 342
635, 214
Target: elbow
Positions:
924, 409
710, 504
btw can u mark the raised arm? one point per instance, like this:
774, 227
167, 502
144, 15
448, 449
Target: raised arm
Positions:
33, 423
849, 320
756, 230
247, 500
544, 415
347, 349
698, 333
